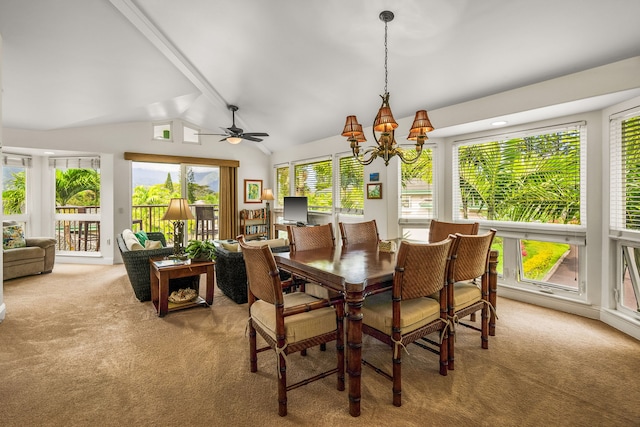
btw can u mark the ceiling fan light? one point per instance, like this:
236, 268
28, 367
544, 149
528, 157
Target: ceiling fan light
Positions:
234, 140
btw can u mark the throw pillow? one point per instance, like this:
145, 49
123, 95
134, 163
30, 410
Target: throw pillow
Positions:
231, 247
153, 244
13, 237
142, 237
133, 244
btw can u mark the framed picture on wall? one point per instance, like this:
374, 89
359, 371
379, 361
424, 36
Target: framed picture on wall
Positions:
374, 191
253, 191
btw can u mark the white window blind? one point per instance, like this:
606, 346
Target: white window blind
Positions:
75, 162
315, 180
624, 130
351, 181
532, 176
9, 159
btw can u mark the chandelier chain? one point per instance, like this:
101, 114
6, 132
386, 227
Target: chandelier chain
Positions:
386, 73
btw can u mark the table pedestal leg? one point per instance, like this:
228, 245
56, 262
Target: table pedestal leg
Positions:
354, 301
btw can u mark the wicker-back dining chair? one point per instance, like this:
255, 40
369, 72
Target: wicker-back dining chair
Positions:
310, 238
289, 323
440, 230
469, 284
353, 233
409, 314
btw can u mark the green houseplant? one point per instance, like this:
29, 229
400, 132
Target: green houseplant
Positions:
200, 250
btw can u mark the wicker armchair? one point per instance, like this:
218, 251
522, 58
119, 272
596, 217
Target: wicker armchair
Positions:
139, 271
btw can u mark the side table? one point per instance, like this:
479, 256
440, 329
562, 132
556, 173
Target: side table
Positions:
160, 277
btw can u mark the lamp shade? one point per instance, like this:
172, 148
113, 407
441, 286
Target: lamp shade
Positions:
421, 123
352, 127
413, 135
267, 194
384, 120
178, 210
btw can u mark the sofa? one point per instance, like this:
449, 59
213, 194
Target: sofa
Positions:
231, 274
136, 262
24, 256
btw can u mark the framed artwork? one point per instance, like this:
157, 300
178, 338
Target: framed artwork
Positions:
253, 191
374, 191
374, 176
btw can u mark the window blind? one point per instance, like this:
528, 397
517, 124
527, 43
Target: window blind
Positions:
75, 162
351, 186
530, 176
9, 159
315, 180
624, 131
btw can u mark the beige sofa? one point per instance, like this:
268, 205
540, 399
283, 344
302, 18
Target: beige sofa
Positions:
37, 257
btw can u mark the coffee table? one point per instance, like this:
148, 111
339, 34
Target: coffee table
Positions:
160, 277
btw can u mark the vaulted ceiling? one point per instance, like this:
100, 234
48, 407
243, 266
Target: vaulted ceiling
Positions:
295, 68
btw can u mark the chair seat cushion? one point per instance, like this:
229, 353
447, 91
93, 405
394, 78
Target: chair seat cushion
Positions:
318, 291
299, 326
377, 312
464, 294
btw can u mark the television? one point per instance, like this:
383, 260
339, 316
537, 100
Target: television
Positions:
295, 209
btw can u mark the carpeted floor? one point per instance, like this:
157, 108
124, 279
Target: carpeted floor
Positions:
77, 349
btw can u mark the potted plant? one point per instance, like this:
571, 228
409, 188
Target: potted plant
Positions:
200, 250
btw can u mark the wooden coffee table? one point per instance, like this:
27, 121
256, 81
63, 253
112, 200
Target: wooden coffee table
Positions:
160, 277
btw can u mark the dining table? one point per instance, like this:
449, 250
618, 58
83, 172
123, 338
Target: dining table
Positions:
355, 272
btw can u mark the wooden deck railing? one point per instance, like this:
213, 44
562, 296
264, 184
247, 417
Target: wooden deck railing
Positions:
84, 236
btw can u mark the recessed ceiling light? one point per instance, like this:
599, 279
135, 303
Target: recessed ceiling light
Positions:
499, 123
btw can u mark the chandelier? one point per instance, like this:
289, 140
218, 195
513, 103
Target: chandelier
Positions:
385, 125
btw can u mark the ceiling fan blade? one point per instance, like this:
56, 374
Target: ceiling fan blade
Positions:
223, 139
255, 134
250, 138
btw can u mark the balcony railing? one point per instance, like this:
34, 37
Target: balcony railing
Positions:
84, 236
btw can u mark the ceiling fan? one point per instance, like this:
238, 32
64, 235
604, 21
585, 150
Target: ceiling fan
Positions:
234, 134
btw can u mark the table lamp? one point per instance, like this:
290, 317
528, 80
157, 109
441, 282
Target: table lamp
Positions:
178, 211
267, 194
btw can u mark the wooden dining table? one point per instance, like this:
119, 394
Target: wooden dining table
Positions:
354, 272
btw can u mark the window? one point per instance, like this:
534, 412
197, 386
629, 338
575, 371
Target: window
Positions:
351, 181
625, 171
282, 184
14, 183
625, 204
531, 177
416, 191
190, 135
315, 180
77, 217
162, 131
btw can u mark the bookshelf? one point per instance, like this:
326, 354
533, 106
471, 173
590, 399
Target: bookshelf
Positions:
254, 223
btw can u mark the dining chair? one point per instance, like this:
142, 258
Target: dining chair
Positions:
310, 238
440, 230
359, 232
409, 314
469, 285
289, 323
